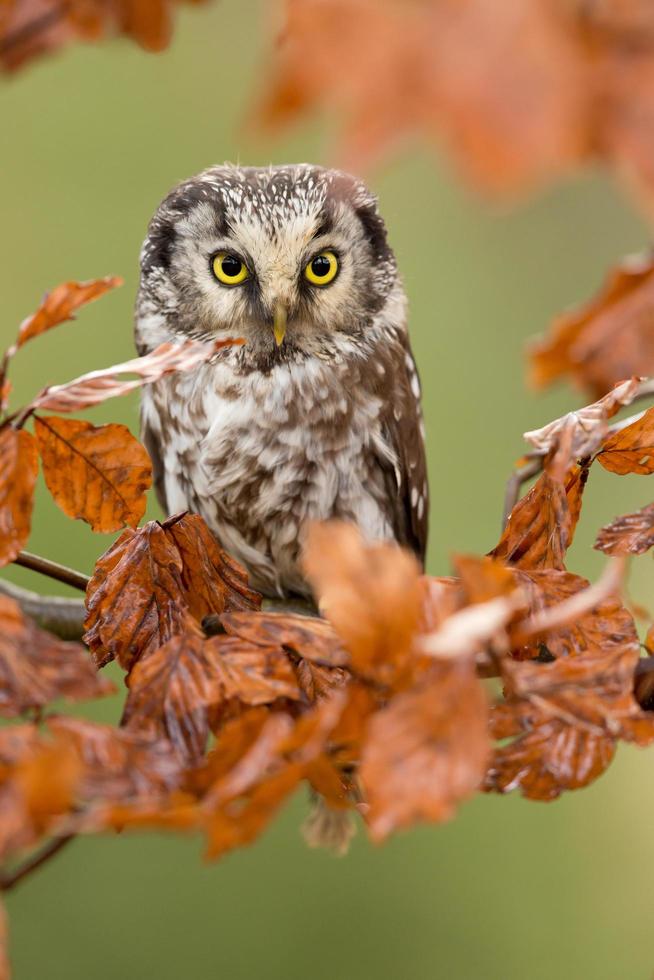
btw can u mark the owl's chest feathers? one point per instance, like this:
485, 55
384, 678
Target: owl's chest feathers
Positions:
267, 452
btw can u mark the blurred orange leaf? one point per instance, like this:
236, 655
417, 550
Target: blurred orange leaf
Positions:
426, 751
37, 668
18, 469
631, 449
98, 474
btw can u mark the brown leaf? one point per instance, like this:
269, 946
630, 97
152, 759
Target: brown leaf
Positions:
18, 469
631, 534
135, 600
242, 801
37, 668
213, 580
5, 966
146, 585
100, 474
608, 339
550, 759
630, 450
96, 386
39, 777
427, 751
542, 524
117, 766
61, 303
173, 689
307, 636
371, 594
31, 28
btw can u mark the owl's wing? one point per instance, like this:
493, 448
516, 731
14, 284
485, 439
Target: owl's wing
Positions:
407, 485
151, 441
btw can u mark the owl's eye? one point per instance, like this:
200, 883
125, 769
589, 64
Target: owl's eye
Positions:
322, 269
229, 269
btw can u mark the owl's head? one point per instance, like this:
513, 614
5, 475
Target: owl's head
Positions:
294, 259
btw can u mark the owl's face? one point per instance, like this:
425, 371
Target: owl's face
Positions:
293, 259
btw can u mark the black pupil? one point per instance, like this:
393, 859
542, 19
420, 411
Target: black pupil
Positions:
232, 266
321, 266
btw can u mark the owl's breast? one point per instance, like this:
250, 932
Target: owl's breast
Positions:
262, 455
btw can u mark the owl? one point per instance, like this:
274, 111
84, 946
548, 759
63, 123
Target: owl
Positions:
317, 415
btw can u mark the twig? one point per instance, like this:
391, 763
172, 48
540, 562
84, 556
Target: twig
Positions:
514, 484
11, 878
53, 570
63, 617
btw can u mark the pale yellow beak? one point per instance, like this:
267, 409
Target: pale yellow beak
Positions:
279, 323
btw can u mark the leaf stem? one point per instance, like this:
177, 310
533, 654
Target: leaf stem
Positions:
52, 569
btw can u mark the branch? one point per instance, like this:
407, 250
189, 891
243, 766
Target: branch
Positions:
63, 617
53, 570
11, 878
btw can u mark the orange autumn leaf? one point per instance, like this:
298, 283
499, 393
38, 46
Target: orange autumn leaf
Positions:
36, 668
371, 594
5, 966
426, 751
631, 449
608, 339
98, 474
61, 304
307, 636
18, 470
144, 588
173, 689
631, 534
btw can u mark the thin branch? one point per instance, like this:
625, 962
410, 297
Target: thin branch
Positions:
514, 484
53, 570
63, 617
48, 851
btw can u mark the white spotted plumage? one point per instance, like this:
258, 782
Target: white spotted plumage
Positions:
266, 439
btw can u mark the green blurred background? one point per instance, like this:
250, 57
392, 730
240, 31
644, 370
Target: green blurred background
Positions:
91, 141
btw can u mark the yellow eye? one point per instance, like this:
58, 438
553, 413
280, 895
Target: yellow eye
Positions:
228, 268
322, 269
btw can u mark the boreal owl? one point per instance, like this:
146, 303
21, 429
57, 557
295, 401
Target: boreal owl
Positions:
318, 414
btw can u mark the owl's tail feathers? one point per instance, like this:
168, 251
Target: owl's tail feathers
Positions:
328, 828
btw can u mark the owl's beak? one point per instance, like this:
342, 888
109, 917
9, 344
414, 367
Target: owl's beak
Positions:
280, 318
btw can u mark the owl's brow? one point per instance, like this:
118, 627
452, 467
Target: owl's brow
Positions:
324, 228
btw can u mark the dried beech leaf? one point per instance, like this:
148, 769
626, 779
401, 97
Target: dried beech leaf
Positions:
117, 766
173, 689
36, 668
608, 339
61, 304
144, 588
100, 475
135, 599
242, 801
18, 469
631, 534
213, 580
550, 759
588, 425
427, 751
96, 386
371, 594
631, 450
307, 636
542, 524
